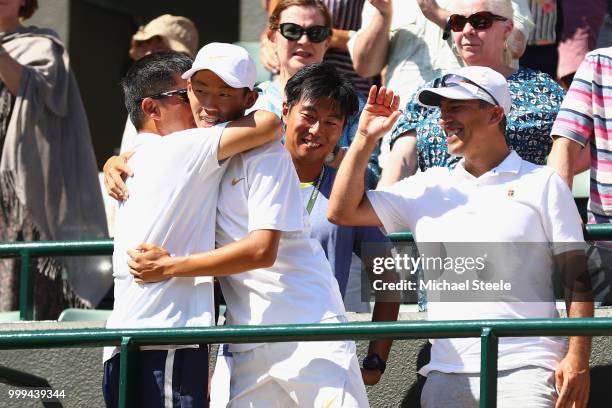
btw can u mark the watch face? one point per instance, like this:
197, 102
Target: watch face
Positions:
374, 362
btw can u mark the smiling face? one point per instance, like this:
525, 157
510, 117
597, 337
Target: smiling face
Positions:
294, 55
313, 129
213, 101
481, 47
464, 124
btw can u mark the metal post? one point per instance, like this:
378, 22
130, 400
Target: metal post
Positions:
488, 368
127, 373
26, 288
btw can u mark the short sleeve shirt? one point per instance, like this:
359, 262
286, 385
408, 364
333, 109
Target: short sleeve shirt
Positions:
584, 117
515, 202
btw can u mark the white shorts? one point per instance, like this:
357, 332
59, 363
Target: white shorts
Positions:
303, 374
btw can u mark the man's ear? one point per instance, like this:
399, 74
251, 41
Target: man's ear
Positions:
497, 114
251, 98
285, 112
150, 108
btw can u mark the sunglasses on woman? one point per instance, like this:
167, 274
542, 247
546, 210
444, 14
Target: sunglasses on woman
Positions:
181, 93
294, 32
480, 21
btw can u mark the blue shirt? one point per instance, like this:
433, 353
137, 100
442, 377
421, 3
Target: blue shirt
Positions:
536, 100
338, 242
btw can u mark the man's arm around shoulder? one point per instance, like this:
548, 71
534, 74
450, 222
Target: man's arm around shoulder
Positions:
251, 131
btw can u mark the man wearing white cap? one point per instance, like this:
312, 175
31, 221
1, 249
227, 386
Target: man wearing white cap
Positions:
491, 196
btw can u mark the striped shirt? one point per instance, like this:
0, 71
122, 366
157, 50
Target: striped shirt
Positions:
586, 116
346, 15
544, 14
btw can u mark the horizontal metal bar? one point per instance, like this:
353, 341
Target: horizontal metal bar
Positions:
592, 232
400, 330
57, 248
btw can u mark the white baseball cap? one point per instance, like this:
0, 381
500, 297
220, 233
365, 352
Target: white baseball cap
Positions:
470, 83
230, 62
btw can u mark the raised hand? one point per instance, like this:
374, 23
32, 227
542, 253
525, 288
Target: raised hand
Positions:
379, 114
383, 6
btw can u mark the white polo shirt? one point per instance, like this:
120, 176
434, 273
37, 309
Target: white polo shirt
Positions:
172, 204
260, 190
516, 201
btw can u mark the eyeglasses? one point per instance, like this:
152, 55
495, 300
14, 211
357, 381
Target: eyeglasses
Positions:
181, 93
480, 21
294, 32
451, 80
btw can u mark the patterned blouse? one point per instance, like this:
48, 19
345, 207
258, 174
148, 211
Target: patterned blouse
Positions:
536, 99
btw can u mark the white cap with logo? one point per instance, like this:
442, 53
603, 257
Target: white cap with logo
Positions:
470, 83
230, 62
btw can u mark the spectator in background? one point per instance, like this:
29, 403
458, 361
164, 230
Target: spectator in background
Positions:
406, 37
582, 21
418, 140
346, 18
164, 33
396, 34
584, 118
48, 175
541, 53
297, 48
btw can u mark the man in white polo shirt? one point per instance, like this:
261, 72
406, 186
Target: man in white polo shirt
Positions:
491, 196
172, 203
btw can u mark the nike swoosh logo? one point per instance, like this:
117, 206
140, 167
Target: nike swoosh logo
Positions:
234, 181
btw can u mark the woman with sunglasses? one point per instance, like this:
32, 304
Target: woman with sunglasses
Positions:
300, 31
480, 32
48, 176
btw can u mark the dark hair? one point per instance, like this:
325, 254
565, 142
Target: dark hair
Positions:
503, 123
322, 80
150, 75
274, 19
27, 10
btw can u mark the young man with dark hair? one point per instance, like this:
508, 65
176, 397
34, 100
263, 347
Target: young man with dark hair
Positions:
174, 190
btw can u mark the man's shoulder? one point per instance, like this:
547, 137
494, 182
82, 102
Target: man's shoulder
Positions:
270, 148
605, 53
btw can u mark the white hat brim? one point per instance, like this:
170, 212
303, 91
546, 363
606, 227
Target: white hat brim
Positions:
430, 97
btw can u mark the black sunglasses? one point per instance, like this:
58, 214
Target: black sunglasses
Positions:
181, 93
294, 32
480, 21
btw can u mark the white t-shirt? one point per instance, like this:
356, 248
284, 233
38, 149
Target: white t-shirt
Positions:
172, 203
260, 190
515, 202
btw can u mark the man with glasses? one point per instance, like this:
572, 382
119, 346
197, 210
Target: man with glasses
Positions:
172, 203
492, 195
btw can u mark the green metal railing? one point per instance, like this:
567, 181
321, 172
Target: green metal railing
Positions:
489, 331
28, 250
129, 341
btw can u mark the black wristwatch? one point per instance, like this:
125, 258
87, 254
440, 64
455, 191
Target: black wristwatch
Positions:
374, 362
